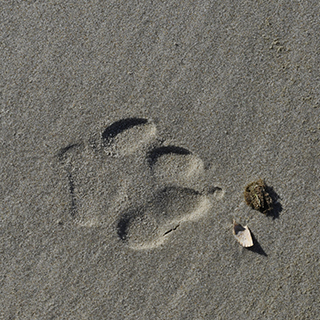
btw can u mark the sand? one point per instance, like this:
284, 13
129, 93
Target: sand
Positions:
129, 133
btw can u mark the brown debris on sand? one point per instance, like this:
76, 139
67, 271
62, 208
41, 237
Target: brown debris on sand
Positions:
257, 197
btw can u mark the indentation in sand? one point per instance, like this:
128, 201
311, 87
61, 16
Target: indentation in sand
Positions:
176, 166
126, 136
146, 201
145, 227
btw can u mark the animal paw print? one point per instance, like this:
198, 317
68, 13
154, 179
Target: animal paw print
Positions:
132, 181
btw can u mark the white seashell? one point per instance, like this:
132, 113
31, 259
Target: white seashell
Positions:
242, 234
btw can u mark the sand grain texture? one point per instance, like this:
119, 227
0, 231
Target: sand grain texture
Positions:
128, 134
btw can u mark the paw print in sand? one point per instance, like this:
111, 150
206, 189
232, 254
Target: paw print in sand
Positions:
129, 181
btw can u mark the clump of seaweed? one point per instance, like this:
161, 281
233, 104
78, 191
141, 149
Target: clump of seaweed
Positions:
257, 197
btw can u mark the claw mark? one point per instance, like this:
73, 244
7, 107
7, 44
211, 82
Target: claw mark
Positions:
175, 228
64, 150
73, 198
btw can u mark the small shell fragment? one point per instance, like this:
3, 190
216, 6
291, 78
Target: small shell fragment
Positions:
242, 234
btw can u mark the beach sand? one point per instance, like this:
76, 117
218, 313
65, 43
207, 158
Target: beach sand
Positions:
129, 133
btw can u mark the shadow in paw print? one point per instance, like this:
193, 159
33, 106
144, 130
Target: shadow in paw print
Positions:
62, 152
122, 227
213, 190
145, 198
156, 153
129, 136
62, 155
117, 127
147, 226
124, 222
73, 197
171, 192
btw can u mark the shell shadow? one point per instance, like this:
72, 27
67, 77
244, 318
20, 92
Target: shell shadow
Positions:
256, 248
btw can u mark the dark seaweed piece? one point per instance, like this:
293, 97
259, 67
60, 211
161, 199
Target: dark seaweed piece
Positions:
257, 197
